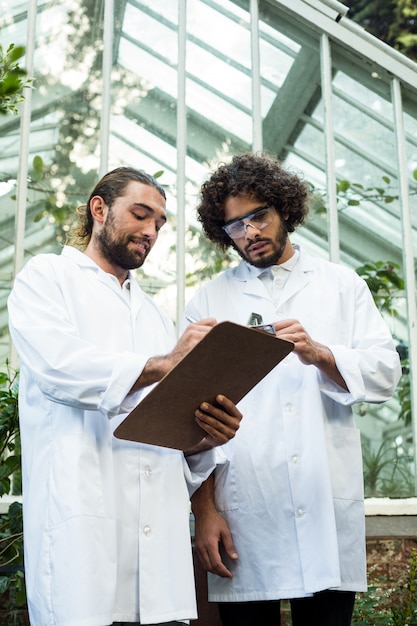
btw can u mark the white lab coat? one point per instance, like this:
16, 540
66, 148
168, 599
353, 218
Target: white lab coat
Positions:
106, 521
290, 483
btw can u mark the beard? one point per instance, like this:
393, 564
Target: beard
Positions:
116, 248
266, 259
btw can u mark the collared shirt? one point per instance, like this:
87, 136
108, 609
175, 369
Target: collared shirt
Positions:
276, 276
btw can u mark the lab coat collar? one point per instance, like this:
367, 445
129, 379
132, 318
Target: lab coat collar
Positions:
137, 296
299, 277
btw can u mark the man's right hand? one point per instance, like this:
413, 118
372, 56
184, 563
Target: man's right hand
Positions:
211, 532
156, 367
191, 336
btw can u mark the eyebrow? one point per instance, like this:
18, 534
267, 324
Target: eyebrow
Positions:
149, 209
242, 217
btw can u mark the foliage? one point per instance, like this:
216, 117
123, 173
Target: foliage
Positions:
11, 554
11, 524
48, 202
9, 430
382, 605
404, 395
207, 258
12, 79
392, 21
385, 283
352, 194
387, 470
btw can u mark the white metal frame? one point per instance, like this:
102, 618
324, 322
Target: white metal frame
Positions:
328, 18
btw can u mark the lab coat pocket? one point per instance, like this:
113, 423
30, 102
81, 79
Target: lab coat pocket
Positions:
225, 487
345, 462
76, 485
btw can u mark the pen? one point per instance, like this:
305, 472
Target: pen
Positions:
190, 319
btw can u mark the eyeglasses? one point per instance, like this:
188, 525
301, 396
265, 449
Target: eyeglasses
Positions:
258, 219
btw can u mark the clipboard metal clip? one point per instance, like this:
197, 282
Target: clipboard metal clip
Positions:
255, 321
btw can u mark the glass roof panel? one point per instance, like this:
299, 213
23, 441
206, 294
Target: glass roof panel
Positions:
67, 104
66, 132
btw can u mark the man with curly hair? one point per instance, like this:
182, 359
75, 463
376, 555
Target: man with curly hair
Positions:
282, 515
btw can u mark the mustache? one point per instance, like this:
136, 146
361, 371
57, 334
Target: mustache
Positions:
257, 241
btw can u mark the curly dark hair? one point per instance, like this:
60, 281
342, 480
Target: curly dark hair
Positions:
110, 187
256, 175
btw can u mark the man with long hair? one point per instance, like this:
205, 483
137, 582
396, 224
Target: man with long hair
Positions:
106, 521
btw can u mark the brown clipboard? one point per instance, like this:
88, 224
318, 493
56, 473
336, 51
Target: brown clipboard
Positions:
230, 359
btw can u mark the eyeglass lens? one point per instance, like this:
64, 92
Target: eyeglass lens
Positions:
258, 219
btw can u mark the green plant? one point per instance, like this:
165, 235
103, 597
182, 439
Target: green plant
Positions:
12, 79
9, 431
371, 608
384, 605
404, 598
353, 194
387, 471
11, 554
11, 523
404, 394
385, 283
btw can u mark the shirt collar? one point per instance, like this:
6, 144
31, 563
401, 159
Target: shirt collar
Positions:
258, 272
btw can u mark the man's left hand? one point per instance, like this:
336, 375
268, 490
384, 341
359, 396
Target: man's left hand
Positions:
220, 421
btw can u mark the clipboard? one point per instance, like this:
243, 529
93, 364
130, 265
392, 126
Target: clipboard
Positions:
230, 359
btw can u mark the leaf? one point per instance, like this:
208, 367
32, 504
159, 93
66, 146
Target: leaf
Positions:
15, 52
39, 216
38, 163
343, 185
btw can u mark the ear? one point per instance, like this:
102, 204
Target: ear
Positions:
98, 209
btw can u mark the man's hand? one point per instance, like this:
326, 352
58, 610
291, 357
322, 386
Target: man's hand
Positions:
309, 352
156, 367
191, 336
220, 422
211, 532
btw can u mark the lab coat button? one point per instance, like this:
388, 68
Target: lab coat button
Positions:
289, 408
147, 530
296, 460
148, 472
279, 312
299, 512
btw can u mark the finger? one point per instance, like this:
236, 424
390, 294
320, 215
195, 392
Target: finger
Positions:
203, 556
220, 431
216, 565
229, 546
213, 413
230, 406
214, 437
208, 321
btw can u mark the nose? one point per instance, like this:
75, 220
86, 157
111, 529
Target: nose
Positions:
249, 234
149, 228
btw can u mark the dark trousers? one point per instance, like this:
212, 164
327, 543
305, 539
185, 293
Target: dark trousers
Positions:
138, 624
327, 608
